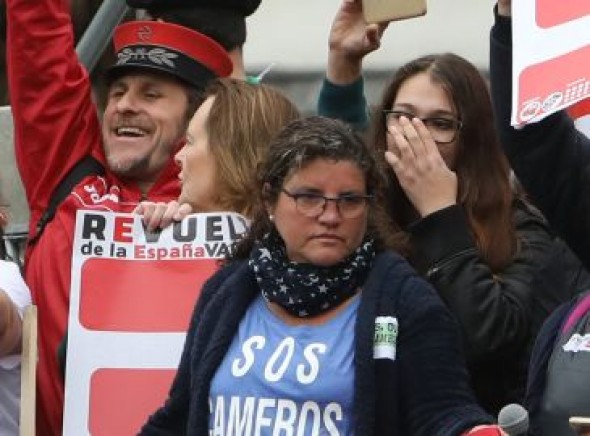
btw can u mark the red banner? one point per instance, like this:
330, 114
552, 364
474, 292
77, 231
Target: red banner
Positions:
554, 13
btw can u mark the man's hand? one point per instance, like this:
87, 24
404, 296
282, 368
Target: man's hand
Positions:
505, 8
351, 39
161, 215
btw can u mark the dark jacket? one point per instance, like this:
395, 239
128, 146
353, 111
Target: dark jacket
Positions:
539, 364
557, 385
499, 313
551, 158
423, 392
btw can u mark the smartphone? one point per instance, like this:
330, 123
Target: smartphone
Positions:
378, 11
581, 425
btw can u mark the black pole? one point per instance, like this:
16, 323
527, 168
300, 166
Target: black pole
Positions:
99, 32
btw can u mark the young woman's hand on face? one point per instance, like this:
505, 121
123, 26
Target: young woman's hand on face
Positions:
422, 173
161, 215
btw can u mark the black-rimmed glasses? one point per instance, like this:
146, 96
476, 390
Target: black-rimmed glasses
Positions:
443, 128
312, 204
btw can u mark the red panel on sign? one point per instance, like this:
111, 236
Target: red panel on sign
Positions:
141, 296
580, 109
121, 400
555, 12
553, 84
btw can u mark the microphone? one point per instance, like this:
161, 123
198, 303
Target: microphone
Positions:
514, 420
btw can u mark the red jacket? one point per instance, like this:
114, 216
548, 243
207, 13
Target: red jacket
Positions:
56, 125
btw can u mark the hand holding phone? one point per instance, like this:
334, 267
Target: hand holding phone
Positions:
378, 11
581, 425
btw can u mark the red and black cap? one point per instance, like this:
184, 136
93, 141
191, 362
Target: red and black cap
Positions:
165, 47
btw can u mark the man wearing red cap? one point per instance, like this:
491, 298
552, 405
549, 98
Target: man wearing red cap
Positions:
154, 88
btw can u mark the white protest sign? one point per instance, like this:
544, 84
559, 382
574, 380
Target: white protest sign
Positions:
131, 299
551, 56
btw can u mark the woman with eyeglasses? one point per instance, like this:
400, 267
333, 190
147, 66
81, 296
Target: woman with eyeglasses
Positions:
315, 327
226, 140
489, 254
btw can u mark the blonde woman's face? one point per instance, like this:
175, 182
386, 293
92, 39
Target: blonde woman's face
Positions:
198, 168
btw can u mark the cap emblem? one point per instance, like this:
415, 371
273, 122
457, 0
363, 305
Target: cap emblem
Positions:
144, 33
158, 56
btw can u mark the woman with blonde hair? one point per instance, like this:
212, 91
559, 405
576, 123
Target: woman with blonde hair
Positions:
226, 140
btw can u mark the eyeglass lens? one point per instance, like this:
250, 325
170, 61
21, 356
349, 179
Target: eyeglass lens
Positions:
312, 205
442, 129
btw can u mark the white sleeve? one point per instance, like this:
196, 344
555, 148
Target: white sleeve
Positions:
17, 290
13, 284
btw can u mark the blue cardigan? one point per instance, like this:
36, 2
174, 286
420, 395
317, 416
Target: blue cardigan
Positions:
425, 391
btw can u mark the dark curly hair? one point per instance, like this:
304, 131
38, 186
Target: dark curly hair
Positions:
302, 142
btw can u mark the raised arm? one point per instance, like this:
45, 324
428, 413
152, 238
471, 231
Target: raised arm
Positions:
351, 39
551, 158
55, 120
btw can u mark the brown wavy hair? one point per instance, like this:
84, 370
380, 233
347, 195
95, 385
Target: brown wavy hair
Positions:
243, 120
482, 170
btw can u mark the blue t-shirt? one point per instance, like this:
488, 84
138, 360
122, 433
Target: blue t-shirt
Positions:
278, 379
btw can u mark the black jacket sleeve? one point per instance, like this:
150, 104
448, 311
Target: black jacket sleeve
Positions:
551, 158
494, 310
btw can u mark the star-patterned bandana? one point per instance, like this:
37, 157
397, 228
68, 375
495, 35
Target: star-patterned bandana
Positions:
303, 289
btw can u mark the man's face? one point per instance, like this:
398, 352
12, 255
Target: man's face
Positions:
144, 120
